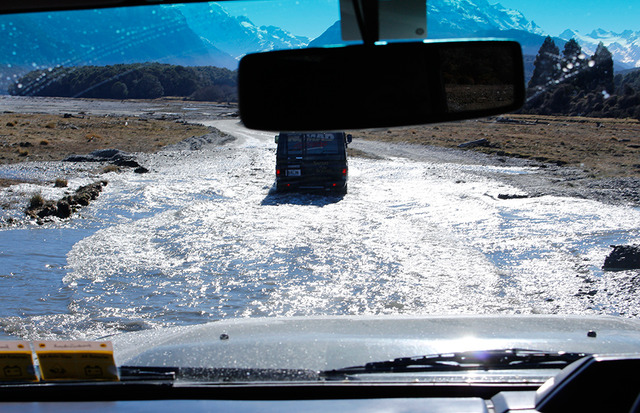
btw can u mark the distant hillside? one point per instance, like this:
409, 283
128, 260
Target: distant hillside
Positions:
103, 37
132, 81
201, 35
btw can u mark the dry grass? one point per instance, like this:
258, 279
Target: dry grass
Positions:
110, 168
40, 137
36, 201
604, 147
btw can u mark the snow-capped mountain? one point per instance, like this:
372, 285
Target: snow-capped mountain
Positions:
456, 18
625, 46
205, 33
201, 34
479, 18
102, 37
236, 36
467, 18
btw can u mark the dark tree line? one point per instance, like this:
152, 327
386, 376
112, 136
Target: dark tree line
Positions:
130, 81
626, 103
575, 84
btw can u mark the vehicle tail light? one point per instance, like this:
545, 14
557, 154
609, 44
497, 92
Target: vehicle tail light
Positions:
278, 172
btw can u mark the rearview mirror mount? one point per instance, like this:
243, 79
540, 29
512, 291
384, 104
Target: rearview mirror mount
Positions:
383, 85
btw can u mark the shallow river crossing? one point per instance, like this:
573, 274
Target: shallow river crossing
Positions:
203, 237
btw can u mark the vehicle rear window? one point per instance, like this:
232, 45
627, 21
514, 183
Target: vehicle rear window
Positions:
295, 144
321, 144
311, 144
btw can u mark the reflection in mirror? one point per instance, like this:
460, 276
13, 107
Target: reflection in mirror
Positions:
477, 78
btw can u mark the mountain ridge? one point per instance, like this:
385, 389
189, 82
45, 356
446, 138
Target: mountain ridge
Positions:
625, 46
206, 34
478, 18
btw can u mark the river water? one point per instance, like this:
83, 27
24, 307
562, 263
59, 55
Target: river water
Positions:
203, 237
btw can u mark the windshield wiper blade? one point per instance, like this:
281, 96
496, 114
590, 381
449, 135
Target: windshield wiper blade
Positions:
210, 374
470, 360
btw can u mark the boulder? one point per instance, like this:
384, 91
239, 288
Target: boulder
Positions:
474, 144
623, 257
101, 155
113, 156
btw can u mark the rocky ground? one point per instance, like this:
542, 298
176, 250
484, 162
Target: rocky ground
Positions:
602, 147
50, 137
91, 137
581, 157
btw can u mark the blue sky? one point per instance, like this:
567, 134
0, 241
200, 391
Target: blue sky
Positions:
581, 15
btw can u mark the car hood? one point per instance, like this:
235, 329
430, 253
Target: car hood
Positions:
322, 343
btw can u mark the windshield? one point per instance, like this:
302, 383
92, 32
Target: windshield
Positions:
134, 200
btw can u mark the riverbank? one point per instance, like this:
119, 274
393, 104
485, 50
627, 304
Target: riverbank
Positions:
588, 158
41, 129
48, 137
581, 157
603, 148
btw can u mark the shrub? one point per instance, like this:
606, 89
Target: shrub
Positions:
119, 90
111, 168
61, 183
36, 201
92, 136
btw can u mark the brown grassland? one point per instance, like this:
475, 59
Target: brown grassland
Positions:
45, 137
40, 137
602, 147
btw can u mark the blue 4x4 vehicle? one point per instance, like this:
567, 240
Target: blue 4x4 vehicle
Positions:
312, 161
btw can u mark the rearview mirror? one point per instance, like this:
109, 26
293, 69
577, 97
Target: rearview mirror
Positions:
386, 85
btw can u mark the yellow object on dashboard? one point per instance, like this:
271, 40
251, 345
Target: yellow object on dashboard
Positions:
16, 361
76, 360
